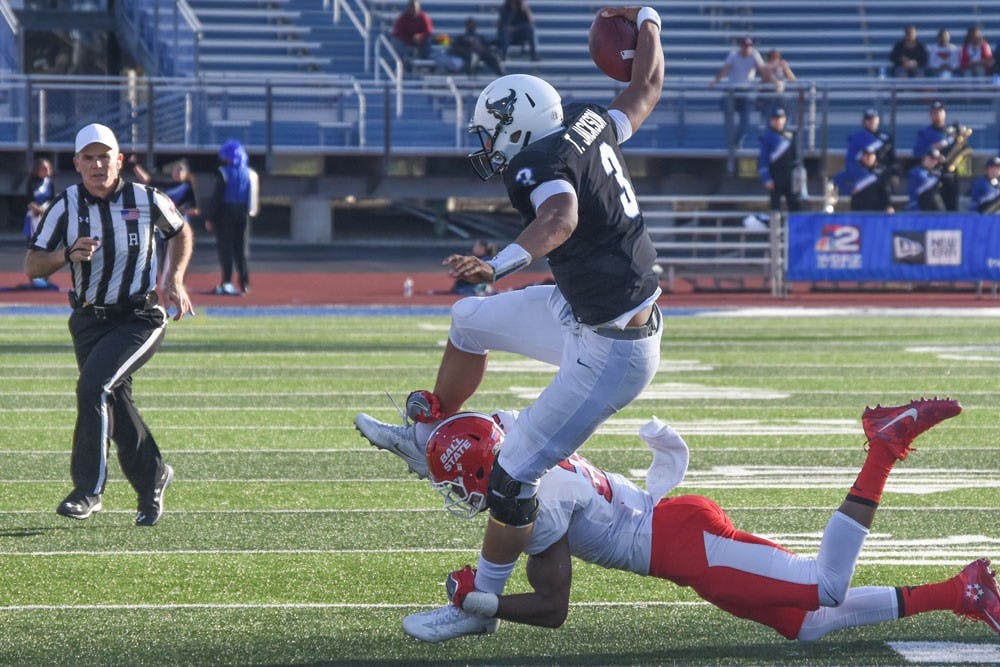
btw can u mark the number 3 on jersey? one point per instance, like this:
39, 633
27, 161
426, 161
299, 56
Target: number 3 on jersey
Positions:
597, 477
614, 168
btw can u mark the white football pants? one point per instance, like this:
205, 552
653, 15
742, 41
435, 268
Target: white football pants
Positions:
598, 375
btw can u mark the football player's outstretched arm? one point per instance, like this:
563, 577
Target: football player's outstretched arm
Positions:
549, 573
646, 87
555, 220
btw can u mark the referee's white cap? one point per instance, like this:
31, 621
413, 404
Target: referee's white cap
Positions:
96, 133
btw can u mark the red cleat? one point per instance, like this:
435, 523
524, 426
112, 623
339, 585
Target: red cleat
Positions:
980, 596
897, 427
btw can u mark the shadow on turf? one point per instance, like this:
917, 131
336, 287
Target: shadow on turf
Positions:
826, 652
31, 532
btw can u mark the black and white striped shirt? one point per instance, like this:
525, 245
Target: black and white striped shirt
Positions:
125, 262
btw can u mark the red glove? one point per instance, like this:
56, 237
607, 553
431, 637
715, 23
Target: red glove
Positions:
459, 584
423, 406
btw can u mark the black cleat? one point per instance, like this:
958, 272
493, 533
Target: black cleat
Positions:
151, 504
79, 505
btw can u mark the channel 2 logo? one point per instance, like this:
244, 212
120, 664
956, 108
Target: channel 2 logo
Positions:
839, 238
934, 247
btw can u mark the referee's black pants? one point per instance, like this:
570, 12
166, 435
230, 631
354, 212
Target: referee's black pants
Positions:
108, 351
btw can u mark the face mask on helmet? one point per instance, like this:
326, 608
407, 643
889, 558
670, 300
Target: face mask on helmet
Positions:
460, 455
510, 113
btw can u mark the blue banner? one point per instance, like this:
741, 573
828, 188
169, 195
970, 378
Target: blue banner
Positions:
904, 246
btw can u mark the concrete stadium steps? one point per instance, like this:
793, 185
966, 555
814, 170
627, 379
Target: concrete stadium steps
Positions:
261, 36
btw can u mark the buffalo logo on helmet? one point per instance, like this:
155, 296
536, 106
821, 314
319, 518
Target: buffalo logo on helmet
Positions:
503, 109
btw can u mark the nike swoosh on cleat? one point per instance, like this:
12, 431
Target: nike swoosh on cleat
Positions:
911, 413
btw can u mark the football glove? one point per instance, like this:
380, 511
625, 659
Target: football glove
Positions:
423, 406
459, 584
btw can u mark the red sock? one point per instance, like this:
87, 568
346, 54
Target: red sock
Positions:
943, 596
870, 483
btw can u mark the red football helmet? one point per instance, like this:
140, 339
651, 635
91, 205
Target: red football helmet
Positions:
460, 456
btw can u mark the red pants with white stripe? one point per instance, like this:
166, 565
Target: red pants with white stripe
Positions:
695, 544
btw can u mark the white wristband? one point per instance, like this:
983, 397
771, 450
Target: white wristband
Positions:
481, 604
647, 14
510, 259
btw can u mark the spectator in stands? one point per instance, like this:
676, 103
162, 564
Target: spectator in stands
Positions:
778, 74
41, 192
943, 57
412, 32
234, 202
952, 142
473, 49
977, 57
872, 189
909, 55
181, 190
740, 70
516, 25
484, 251
985, 194
777, 162
924, 187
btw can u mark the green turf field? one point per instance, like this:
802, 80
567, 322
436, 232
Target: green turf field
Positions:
287, 539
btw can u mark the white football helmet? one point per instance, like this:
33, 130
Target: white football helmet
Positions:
510, 113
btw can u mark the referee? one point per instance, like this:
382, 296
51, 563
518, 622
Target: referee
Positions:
104, 229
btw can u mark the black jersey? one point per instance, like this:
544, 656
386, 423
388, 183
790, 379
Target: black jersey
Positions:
605, 268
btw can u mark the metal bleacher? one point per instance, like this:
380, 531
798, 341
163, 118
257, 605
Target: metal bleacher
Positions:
840, 46
304, 74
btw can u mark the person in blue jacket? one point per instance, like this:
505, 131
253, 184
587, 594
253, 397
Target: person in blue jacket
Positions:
41, 192
924, 185
776, 161
985, 194
872, 190
233, 202
871, 136
951, 141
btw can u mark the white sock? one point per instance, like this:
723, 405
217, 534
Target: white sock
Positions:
838, 552
423, 431
491, 577
865, 605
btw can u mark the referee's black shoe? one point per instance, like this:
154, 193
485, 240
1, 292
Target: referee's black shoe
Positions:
151, 503
79, 505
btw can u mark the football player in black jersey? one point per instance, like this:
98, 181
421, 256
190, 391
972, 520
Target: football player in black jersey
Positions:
564, 172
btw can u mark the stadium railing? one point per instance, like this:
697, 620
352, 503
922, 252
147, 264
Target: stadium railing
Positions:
358, 14
11, 39
288, 113
164, 34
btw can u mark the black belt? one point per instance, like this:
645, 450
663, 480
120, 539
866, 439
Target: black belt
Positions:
648, 329
135, 302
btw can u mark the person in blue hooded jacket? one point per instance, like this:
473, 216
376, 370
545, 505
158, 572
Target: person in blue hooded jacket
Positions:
777, 161
234, 201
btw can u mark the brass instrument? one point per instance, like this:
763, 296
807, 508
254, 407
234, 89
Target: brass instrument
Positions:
959, 148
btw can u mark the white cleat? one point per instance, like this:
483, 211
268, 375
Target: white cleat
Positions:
400, 440
448, 622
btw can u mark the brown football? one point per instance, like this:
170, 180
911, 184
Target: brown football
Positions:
612, 43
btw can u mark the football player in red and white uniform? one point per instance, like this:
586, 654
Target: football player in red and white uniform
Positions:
604, 518
599, 323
